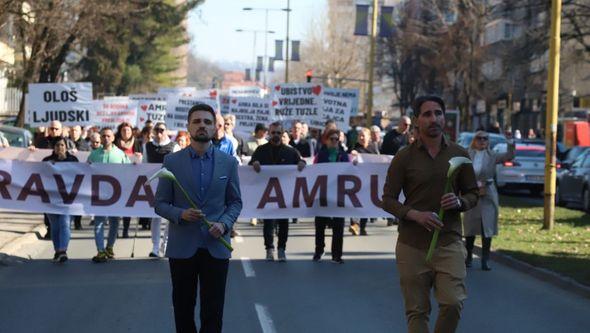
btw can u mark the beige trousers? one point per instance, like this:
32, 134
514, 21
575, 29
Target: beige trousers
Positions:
445, 272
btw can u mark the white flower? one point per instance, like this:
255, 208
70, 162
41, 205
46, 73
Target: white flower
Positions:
162, 173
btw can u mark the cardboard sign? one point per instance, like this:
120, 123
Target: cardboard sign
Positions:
298, 101
177, 107
112, 111
351, 94
150, 110
224, 104
245, 91
337, 109
250, 111
69, 103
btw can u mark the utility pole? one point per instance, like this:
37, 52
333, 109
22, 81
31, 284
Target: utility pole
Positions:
369, 114
287, 42
551, 116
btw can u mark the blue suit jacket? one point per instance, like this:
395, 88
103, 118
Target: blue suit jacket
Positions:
222, 203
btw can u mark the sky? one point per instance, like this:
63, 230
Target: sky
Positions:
212, 28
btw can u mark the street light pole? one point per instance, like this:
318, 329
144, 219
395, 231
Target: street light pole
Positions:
265, 62
551, 116
287, 39
369, 114
255, 32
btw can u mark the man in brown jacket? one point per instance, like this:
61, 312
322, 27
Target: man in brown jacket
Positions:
419, 170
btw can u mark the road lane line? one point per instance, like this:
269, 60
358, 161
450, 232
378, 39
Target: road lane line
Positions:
239, 239
264, 318
248, 268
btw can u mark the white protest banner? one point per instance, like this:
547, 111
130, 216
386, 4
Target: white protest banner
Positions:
183, 91
297, 101
177, 107
150, 110
224, 104
112, 111
337, 109
250, 111
351, 94
245, 91
69, 103
325, 189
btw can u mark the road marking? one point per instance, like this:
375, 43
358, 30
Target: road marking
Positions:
264, 318
239, 239
247, 266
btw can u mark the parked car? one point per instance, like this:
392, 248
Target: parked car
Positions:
571, 155
573, 184
465, 139
16, 136
525, 171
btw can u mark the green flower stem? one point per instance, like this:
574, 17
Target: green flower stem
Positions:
193, 205
441, 215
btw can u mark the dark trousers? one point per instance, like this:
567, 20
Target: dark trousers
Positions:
364, 223
269, 226
337, 224
486, 244
77, 221
126, 223
211, 274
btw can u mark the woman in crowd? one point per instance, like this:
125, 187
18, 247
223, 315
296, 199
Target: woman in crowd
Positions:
331, 152
183, 139
362, 146
60, 223
126, 141
483, 218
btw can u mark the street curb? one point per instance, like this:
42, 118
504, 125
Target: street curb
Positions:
542, 274
18, 246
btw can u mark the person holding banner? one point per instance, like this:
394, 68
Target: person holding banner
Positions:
155, 152
276, 153
126, 141
330, 152
298, 142
108, 153
196, 257
420, 171
60, 224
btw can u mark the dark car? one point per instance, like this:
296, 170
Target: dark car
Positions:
465, 139
572, 154
573, 184
16, 136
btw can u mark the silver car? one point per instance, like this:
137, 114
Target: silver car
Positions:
525, 171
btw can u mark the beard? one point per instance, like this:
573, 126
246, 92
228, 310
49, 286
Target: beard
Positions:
201, 137
275, 139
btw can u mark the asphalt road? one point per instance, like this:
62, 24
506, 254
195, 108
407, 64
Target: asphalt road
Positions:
362, 295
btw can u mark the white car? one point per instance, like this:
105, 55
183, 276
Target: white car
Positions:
525, 171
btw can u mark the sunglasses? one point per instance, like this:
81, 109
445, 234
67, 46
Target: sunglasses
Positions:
159, 130
54, 128
334, 139
482, 138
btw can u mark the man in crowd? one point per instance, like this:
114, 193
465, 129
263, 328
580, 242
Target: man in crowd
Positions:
276, 153
76, 138
258, 139
220, 140
94, 141
196, 256
55, 131
298, 141
237, 140
108, 153
397, 138
417, 171
156, 150
376, 139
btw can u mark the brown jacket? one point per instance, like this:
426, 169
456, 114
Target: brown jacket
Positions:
422, 180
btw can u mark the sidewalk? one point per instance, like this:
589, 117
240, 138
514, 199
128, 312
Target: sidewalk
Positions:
17, 230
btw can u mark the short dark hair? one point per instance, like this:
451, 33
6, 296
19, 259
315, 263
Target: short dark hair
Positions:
276, 124
260, 127
202, 107
427, 98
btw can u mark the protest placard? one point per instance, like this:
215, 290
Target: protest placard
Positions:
351, 94
245, 91
69, 103
337, 109
177, 107
224, 104
250, 111
150, 110
297, 101
112, 111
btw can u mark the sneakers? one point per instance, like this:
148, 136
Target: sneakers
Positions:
101, 256
363, 232
153, 255
109, 252
270, 254
354, 229
337, 260
281, 255
317, 256
62, 257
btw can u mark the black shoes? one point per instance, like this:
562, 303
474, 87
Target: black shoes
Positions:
60, 257
317, 256
153, 255
485, 266
337, 260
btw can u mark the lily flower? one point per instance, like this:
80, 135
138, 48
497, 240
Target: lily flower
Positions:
454, 164
167, 174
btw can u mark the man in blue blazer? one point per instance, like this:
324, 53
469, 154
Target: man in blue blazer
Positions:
195, 254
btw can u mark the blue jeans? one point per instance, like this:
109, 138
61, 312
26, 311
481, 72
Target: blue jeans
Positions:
99, 222
60, 231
